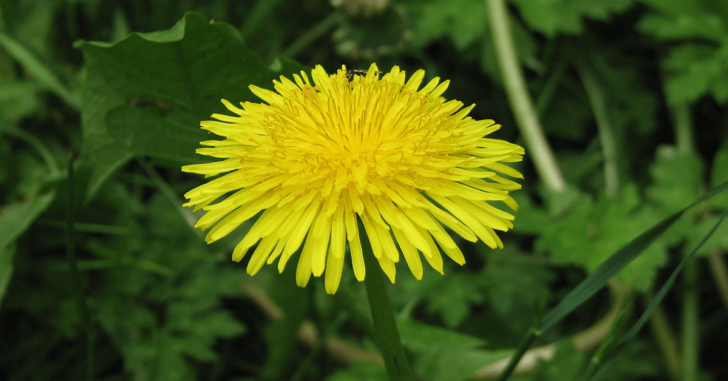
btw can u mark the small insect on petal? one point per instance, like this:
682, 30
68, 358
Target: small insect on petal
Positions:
328, 160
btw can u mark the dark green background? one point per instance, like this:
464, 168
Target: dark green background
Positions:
75, 79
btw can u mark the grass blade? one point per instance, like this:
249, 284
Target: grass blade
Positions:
594, 282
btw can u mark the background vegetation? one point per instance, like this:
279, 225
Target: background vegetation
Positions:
630, 94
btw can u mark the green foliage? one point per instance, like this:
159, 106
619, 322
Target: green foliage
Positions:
698, 63
565, 16
146, 94
74, 78
591, 232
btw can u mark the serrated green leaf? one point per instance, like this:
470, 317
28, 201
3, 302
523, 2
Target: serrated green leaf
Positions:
678, 19
464, 21
697, 70
616, 262
453, 297
676, 178
552, 17
146, 95
590, 233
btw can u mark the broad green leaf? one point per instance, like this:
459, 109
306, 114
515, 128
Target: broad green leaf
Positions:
146, 95
616, 262
552, 17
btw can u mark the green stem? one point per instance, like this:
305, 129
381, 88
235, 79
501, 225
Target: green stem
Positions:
257, 16
526, 117
76, 285
170, 195
606, 133
533, 332
664, 337
313, 34
690, 318
720, 275
385, 327
690, 322
683, 128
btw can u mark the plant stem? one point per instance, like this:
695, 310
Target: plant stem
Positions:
395, 360
683, 128
718, 268
690, 322
76, 284
313, 34
526, 117
606, 133
665, 338
690, 345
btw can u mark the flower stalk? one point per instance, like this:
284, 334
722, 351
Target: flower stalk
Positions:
385, 326
539, 150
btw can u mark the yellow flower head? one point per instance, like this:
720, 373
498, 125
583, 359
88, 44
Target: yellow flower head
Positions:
320, 153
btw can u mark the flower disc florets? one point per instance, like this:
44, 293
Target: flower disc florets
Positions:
319, 154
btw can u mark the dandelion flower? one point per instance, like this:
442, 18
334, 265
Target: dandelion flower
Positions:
322, 154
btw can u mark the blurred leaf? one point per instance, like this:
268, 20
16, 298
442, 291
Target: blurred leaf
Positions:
515, 283
419, 337
453, 297
448, 364
16, 218
281, 335
463, 21
676, 178
146, 95
531, 219
18, 99
718, 241
443, 354
678, 19
6, 268
38, 68
552, 17
695, 68
719, 174
359, 371
600, 230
